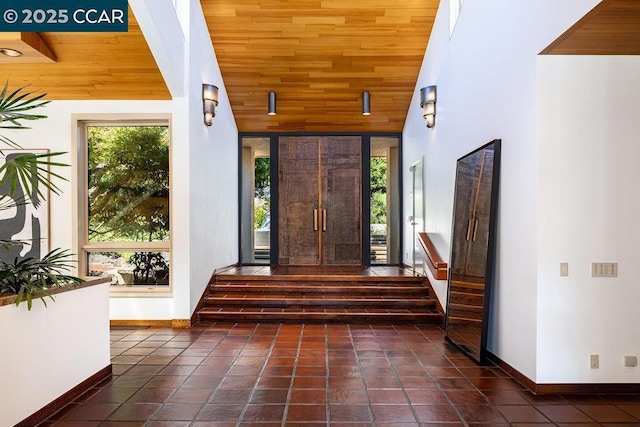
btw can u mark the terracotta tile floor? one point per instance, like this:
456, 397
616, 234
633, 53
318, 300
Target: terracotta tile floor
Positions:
317, 375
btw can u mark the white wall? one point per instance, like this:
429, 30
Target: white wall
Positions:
587, 211
204, 161
213, 172
163, 32
47, 351
486, 79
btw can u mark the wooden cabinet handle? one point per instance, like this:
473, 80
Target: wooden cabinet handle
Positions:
324, 220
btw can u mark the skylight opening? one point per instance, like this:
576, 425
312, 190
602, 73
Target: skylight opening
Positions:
454, 11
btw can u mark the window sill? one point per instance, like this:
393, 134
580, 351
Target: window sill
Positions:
140, 291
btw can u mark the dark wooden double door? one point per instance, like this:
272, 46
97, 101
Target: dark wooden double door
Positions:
320, 200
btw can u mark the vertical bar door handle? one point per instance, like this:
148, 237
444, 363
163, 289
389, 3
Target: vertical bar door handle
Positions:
475, 231
324, 220
470, 229
315, 220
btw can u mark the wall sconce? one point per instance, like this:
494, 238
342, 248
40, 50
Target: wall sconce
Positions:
366, 104
428, 98
272, 104
209, 102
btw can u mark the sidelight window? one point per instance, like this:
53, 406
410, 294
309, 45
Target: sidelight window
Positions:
256, 200
385, 202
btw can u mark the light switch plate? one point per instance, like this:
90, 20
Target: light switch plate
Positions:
564, 269
604, 269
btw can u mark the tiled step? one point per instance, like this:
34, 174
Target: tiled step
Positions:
209, 314
272, 301
468, 287
302, 288
467, 298
464, 321
467, 311
326, 278
318, 295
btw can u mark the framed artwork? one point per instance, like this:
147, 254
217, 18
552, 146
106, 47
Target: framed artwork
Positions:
24, 219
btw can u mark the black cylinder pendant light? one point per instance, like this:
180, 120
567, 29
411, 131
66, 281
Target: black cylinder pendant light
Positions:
366, 104
272, 104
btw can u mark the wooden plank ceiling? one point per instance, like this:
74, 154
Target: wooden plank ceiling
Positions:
93, 66
611, 28
319, 56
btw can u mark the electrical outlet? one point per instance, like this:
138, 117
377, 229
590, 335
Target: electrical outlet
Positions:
594, 361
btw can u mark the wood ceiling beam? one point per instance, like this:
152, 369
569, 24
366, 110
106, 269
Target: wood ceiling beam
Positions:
611, 28
33, 49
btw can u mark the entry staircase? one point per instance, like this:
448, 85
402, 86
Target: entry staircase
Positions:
318, 298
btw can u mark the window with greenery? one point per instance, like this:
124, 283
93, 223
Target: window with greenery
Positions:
384, 185
262, 210
255, 198
127, 232
378, 210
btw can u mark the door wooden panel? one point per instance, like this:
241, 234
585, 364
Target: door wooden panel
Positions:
321, 173
341, 198
298, 197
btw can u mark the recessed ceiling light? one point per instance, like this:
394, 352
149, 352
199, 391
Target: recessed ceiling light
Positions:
10, 52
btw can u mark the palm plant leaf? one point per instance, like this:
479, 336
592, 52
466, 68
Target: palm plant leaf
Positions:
32, 278
6, 244
8, 202
15, 107
32, 172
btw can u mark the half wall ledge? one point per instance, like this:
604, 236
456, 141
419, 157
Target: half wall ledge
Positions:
88, 281
62, 349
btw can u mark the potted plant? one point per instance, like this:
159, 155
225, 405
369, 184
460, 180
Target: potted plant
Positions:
146, 266
23, 178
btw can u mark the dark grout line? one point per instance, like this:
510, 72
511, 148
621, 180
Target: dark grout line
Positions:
355, 351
